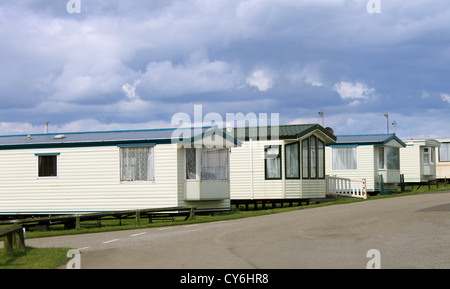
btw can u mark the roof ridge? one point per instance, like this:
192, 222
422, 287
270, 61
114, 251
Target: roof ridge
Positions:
106, 131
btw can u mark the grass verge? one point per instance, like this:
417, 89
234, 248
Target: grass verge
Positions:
34, 258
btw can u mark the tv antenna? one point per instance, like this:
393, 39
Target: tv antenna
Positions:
386, 115
394, 124
322, 115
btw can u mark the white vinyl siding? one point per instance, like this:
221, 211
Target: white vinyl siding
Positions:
89, 181
418, 160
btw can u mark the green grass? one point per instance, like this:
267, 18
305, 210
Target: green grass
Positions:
34, 258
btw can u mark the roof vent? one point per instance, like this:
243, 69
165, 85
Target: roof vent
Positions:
59, 136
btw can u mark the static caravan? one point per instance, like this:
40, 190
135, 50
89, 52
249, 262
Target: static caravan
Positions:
285, 162
443, 159
369, 157
418, 160
87, 172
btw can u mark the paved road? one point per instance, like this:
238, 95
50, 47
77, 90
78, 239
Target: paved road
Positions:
409, 232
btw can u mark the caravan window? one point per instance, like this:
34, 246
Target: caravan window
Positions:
137, 163
191, 164
214, 164
313, 158
444, 152
292, 161
47, 165
305, 158
381, 162
428, 156
388, 157
313, 151
344, 158
321, 159
272, 161
393, 158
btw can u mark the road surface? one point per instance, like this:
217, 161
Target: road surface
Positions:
407, 231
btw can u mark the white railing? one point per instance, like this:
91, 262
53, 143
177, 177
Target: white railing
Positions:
346, 187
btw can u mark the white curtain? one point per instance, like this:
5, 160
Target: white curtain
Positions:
214, 164
273, 162
191, 164
313, 158
292, 161
136, 163
321, 158
305, 159
344, 158
444, 152
381, 164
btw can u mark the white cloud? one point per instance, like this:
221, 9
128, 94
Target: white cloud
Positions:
309, 74
354, 92
197, 75
445, 97
260, 80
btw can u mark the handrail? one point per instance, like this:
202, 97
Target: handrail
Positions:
346, 187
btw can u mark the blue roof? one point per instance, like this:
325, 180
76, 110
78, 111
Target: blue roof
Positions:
374, 139
98, 138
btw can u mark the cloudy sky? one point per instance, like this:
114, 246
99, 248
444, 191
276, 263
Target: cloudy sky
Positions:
135, 64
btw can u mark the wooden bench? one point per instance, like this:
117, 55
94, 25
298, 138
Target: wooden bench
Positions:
14, 235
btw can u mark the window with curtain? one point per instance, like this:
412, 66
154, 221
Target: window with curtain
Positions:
305, 159
320, 159
344, 158
313, 167
426, 156
214, 164
191, 163
292, 161
381, 160
272, 156
444, 152
393, 158
137, 163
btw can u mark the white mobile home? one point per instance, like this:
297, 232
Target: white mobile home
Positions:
443, 159
117, 170
369, 157
418, 160
287, 164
